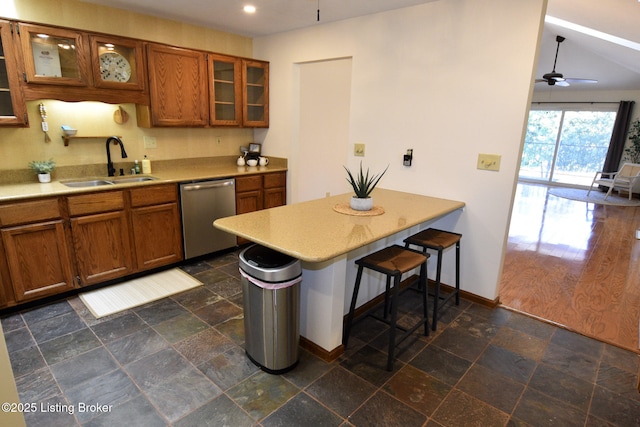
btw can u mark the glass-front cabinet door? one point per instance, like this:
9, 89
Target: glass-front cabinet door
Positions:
255, 76
117, 63
225, 90
54, 55
12, 106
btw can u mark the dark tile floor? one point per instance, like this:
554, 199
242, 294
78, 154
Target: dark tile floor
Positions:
180, 361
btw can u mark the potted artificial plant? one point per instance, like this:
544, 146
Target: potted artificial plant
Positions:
363, 185
632, 152
43, 168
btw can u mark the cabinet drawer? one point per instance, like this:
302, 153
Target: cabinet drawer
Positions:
248, 183
273, 180
28, 212
154, 195
95, 203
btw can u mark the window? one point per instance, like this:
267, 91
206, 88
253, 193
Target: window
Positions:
566, 145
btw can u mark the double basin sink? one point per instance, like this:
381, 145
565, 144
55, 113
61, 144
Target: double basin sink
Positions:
98, 182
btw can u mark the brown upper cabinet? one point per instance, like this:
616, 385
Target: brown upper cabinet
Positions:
54, 56
71, 65
255, 93
228, 91
117, 63
171, 86
177, 87
225, 90
13, 111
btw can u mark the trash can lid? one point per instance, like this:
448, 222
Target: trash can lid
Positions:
266, 258
269, 265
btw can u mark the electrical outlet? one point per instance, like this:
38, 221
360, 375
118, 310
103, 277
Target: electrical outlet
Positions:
218, 140
358, 149
150, 142
489, 162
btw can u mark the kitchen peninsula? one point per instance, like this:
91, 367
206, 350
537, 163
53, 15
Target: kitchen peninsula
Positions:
327, 242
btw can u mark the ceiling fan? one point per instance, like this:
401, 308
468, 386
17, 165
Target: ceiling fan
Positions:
557, 79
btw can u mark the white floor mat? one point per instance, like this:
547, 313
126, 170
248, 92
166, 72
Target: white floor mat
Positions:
115, 298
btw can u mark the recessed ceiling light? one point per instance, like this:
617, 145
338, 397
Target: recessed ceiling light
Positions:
249, 9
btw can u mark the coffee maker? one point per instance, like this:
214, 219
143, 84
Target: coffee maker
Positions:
253, 152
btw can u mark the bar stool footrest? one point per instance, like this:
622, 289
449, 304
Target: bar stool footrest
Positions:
405, 332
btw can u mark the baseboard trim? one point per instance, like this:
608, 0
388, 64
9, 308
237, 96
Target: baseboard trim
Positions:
316, 350
330, 356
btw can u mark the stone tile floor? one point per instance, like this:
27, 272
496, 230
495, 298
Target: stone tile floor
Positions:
180, 361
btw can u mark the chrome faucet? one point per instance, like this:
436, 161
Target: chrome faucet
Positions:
111, 171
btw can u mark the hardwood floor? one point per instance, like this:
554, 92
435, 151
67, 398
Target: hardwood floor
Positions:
574, 264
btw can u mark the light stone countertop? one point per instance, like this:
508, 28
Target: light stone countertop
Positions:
165, 172
312, 231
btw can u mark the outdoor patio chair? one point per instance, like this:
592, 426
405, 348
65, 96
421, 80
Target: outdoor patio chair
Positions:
626, 179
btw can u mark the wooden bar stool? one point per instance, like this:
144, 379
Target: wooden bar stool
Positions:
438, 240
392, 261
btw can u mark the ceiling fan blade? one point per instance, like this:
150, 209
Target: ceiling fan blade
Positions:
541, 81
572, 80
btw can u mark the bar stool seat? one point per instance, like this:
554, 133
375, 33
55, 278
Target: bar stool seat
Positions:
439, 240
392, 261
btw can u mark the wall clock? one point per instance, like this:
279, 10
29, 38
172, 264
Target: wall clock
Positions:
114, 67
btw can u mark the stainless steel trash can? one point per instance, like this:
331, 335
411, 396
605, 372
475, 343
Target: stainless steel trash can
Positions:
271, 296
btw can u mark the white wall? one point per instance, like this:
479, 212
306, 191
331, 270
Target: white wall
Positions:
450, 79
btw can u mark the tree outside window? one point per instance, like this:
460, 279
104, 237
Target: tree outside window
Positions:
566, 146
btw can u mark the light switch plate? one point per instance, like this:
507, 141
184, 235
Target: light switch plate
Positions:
150, 142
489, 162
358, 150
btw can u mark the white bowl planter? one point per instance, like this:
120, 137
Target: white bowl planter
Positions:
358, 204
44, 177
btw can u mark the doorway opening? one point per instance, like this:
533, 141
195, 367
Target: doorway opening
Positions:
322, 140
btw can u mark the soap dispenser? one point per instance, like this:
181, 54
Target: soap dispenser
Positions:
136, 166
146, 165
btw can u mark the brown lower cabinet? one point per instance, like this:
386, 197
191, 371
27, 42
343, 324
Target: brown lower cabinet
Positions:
57, 244
100, 234
156, 226
263, 191
275, 189
38, 260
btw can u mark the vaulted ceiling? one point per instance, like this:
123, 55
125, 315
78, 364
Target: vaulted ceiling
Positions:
602, 37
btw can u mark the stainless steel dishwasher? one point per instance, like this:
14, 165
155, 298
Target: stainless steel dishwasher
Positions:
202, 202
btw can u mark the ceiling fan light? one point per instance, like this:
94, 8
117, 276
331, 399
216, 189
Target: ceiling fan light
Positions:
553, 76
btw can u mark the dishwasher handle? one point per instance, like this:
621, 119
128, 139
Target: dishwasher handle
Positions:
207, 185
